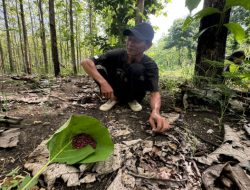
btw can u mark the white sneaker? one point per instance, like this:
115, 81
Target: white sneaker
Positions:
135, 106
108, 105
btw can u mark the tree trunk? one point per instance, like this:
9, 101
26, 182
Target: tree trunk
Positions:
33, 37
91, 25
73, 57
16, 52
25, 39
60, 42
54, 49
67, 41
20, 37
8, 36
77, 41
43, 37
139, 11
2, 58
211, 44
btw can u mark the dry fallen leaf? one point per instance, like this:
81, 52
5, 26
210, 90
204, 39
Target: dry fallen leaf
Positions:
9, 138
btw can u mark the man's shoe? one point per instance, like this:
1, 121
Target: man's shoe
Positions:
135, 106
108, 105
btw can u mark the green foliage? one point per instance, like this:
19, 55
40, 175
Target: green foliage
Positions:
235, 28
241, 16
192, 4
28, 182
204, 12
242, 3
12, 180
168, 60
237, 31
120, 14
179, 38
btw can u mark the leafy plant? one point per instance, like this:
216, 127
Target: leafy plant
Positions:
235, 28
61, 149
12, 180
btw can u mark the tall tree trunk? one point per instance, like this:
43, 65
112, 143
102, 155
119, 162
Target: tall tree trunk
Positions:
68, 31
43, 37
8, 36
139, 11
25, 39
60, 43
20, 37
16, 52
211, 44
91, 25
54, 49
78, 48
2, 58
73, 57
33, 37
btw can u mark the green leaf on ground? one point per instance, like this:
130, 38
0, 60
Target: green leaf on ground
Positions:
28, 183
60, 144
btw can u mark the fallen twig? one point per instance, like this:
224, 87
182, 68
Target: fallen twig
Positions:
59, 98
10, 120
155, 178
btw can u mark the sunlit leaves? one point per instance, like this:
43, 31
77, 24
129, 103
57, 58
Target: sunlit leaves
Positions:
242, 3
192, 4
204, 12
236, 30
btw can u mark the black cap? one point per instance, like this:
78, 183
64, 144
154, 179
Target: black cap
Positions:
143, 31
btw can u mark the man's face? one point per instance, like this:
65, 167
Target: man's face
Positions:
136, 46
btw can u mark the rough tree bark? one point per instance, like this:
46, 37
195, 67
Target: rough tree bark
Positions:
25, 39
90, 10
211, 44
33, 36
54, 49
2, 58
73, 57
8, 36
139, 11
20, 37
42, 36
66, 53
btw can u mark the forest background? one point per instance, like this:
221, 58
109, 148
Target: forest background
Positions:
51, 37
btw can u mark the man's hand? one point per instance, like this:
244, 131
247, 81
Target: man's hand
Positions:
107, 91
158, 123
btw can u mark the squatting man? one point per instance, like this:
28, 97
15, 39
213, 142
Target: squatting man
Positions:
125, 75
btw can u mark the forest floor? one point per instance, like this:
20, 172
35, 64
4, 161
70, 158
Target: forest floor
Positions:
44, 105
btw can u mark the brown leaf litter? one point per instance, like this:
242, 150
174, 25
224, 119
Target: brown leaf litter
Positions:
230, 163
157, 162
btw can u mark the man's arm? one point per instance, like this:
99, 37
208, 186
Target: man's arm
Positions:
157, 122
90, 68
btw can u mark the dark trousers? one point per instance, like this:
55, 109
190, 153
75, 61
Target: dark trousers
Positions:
128, 83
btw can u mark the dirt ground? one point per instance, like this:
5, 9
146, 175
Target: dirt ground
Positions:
44, 105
